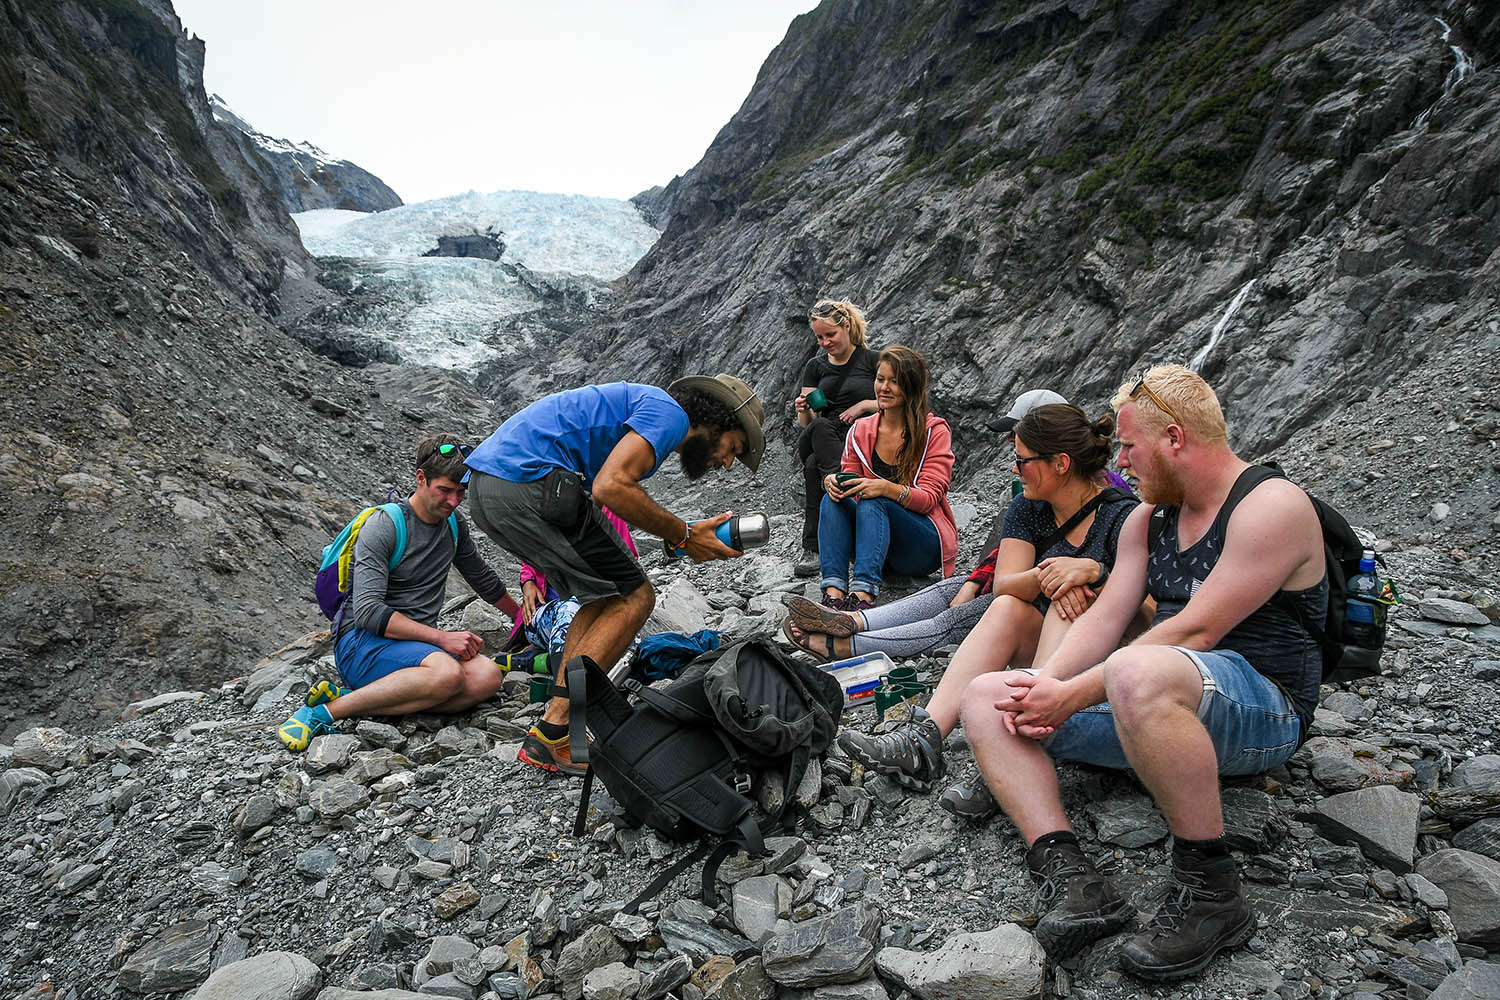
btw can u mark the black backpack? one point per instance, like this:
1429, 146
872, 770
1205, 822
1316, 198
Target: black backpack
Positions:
1345, 658
681, 760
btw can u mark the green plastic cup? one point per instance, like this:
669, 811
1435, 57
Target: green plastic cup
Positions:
817, 401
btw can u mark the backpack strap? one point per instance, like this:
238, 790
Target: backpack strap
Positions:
747, 836
577, 673
1110, 494
398, 518
1247, 481
453, 527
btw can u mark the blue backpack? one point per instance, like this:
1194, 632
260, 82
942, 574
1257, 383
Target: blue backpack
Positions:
336, 571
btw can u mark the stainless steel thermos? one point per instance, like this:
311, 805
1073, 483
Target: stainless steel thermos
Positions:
741, 532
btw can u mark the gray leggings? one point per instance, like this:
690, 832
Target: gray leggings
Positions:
922, 622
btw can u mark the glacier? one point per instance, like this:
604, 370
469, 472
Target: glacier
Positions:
460, 312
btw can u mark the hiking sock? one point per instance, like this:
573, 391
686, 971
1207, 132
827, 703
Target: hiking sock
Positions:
1195, 852
1055, 838
552, 731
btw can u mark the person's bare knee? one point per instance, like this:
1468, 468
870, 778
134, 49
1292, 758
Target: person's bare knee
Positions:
482, 678
977, 705
641, 601
445, 675
1139, 681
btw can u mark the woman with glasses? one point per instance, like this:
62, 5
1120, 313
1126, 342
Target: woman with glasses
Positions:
1056, 550
841, 382
887, 510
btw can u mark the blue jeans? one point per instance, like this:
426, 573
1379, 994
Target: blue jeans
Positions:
1251, 721
877, 535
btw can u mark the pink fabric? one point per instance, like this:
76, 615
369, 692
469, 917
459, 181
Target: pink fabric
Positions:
532, 574
929, 494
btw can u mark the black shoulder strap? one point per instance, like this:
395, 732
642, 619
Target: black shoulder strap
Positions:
747, 836
1103, 496
1247, 481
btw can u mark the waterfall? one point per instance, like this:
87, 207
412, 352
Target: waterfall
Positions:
1462, 67
1218, 330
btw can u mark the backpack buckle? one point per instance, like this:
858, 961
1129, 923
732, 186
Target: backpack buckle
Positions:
742, 782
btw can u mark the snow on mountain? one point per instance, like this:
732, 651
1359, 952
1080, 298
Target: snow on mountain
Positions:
557, 233
304, 176
463, 312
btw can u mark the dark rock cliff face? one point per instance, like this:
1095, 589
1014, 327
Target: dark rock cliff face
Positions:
301, 174
1057, 194
171, 462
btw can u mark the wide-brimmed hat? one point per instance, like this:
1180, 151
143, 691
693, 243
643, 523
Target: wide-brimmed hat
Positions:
1024, 404
738, 396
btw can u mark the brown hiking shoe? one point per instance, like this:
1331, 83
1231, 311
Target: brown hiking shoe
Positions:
549, 755
1204, 913
1078, 905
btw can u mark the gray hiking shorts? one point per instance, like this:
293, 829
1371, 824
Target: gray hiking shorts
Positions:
588, 562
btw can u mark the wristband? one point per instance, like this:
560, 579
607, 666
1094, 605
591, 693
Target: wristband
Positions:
1103, 576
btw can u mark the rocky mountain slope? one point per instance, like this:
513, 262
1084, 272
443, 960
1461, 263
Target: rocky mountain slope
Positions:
1061, 193
171, 462
301, 174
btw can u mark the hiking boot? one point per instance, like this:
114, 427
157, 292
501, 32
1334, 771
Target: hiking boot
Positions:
323, 692
911, 754
808, 565
970, 798
305, 723
547, 754
1078, 906
1204, 913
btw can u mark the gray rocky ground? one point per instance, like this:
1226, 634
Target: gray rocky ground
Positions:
417, 854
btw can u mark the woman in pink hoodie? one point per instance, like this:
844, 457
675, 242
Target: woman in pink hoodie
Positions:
892, 513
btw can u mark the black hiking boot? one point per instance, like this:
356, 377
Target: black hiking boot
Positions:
1078, 905
1204, 913
912, 754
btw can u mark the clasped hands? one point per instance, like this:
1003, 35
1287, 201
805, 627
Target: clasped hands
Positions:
1067, 581
1034, 705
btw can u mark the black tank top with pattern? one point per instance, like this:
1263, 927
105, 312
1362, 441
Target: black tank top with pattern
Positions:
1270, 638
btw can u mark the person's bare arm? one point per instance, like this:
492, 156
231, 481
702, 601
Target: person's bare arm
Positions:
618, 487
1272, 542
1097, 631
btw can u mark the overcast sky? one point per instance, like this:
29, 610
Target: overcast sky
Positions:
439, 97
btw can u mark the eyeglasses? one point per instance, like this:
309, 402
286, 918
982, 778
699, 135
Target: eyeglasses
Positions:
829, 309
448, 449
1020, 463
1141, 387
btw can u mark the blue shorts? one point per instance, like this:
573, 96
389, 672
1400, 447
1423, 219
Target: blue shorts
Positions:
363, 658
1251, 721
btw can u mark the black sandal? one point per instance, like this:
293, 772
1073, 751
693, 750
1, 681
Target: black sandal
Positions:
830, 655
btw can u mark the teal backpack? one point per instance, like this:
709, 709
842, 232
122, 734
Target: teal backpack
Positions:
336, 571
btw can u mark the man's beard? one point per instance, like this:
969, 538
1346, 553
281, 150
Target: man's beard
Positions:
1164, 485
694, 454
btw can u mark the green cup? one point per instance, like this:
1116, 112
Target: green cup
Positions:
540, 685
899, 697
900, 675
817, 401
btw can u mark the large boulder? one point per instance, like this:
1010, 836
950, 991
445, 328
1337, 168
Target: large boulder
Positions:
274, 975
1005, 963
1472, 882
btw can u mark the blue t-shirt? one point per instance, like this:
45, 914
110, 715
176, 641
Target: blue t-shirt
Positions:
577, 429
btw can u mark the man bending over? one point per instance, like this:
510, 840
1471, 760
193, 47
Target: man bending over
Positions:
390, 653
538, 481
1224, 682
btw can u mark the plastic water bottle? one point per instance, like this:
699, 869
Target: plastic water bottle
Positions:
1364, 613
859, 676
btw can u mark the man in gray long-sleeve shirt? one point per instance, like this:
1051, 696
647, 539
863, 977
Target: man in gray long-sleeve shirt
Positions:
388, 648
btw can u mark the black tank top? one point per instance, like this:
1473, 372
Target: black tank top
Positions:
1270, 637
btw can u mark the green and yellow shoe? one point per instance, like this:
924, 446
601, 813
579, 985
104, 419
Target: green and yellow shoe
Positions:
305, 723
323, 692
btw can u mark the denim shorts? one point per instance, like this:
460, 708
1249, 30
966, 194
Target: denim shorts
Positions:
363, 658
1251, 721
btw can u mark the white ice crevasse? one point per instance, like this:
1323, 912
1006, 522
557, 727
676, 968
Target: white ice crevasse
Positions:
446, 310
